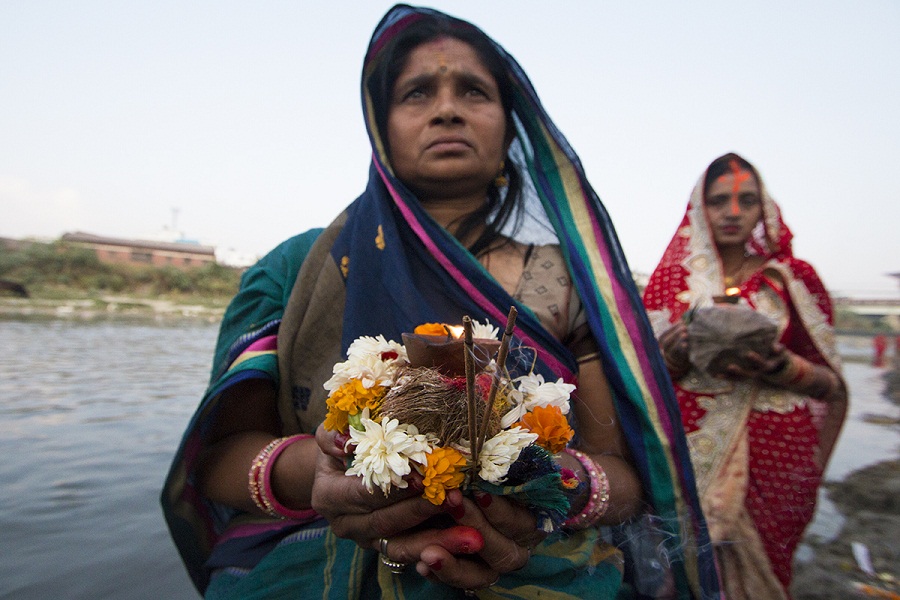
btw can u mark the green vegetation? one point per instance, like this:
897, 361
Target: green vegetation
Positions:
61, 270
848, 322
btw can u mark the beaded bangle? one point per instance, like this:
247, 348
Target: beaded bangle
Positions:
598, 501
260, 480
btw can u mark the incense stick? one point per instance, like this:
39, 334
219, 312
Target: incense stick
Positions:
469, 350
501, 369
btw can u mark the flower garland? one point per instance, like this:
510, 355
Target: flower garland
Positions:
402, 417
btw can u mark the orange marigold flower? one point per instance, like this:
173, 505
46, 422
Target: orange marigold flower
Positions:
443, 472
550, 425
431, 329
350, 399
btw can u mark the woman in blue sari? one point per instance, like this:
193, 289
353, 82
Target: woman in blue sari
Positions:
475, 203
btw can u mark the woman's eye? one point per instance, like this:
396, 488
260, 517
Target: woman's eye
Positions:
416, 93
749, 200
716, 201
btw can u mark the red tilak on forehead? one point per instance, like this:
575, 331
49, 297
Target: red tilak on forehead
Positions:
740, 176
440, 45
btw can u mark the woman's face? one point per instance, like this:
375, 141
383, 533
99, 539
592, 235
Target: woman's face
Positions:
733, 207
446, 124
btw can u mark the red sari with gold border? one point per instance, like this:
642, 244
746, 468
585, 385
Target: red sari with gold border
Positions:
758, 451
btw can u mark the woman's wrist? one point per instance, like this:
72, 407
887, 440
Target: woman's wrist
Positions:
260, 480
799, 375
597, 501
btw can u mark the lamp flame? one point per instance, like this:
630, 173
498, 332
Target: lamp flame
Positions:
456, 331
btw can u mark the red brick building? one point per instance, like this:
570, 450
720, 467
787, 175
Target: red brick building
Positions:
144, 252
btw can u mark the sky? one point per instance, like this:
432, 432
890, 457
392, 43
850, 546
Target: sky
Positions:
239, 124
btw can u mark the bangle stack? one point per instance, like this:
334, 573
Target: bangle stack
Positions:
598, 500
260, 481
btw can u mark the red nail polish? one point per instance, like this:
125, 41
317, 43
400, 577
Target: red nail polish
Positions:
484, 500
436, 565
457, 512
340, 441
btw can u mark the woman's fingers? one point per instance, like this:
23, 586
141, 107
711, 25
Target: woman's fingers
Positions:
459, 571
408, 546
389, 521
445, 555
358, 514
751, 365
332, 443
674, 345
515, 521
503, 552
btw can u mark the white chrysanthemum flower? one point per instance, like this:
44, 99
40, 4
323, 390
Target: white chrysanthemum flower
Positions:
384, 451
484, 331
367, 363
501, 451
378, 346
532, 391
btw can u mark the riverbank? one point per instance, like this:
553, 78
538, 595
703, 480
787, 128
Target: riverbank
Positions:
863, 559
107, 307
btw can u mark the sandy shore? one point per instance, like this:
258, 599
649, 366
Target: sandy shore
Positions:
863, 560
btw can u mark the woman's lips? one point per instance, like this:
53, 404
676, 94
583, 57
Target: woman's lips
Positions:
449, 145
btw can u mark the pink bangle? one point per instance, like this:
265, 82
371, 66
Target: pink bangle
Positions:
260, 481
598, 501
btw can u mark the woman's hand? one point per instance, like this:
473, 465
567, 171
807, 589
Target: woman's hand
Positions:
471, 555
507, 530
355, 513
674, 345
753, 365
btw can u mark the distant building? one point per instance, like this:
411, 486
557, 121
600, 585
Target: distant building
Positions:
143, 252
14, 245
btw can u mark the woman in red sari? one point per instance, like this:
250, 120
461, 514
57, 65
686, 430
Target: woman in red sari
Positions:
760, 433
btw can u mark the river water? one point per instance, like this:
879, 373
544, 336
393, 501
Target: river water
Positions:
90, 415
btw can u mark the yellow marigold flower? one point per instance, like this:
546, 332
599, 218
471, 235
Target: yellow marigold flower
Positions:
336, 420
431, 329
550, 425
443, 472
350, 399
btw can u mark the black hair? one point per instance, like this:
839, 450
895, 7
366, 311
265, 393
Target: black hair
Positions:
380, 85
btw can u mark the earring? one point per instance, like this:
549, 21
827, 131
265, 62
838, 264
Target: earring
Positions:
501, 181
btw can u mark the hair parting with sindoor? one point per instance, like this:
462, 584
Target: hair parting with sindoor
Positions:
722, 165
502, 206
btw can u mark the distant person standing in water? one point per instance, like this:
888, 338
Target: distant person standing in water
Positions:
879, 345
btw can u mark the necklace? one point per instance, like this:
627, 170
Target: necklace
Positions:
736, 278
